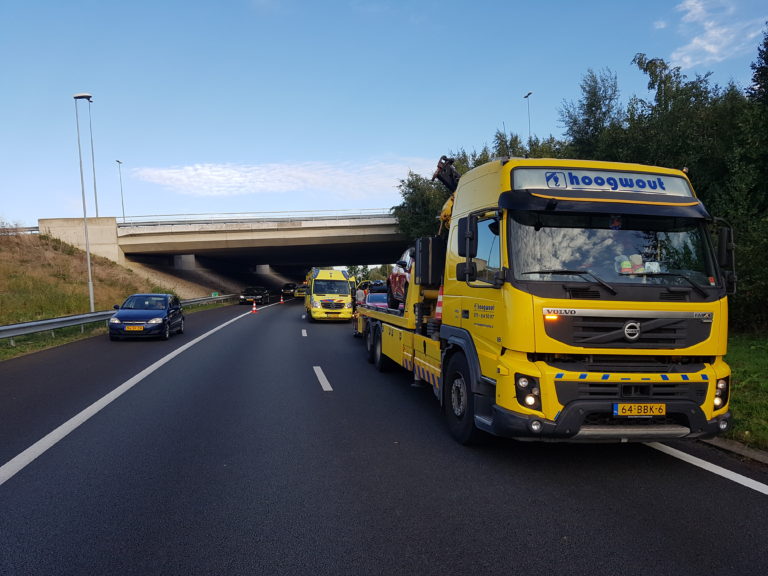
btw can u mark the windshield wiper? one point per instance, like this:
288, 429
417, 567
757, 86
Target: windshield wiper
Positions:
597, 278
696, 287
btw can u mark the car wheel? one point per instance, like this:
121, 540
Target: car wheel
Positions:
180, 330
459, 402
166, 331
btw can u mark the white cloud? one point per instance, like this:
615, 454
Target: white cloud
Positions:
660, 25
345, 180
714, 34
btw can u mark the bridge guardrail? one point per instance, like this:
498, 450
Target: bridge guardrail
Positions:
24, 328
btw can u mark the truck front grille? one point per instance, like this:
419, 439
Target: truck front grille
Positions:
609, 332
568, 391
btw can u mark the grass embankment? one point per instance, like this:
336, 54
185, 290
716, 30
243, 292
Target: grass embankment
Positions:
42, 277
748, 359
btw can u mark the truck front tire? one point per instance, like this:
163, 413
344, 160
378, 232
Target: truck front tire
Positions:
459, 402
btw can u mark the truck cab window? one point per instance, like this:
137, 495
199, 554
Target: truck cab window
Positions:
488, 259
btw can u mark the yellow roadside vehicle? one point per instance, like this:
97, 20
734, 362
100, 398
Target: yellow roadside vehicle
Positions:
568, 300
328, 295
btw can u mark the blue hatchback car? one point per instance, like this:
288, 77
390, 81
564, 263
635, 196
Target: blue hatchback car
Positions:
147, 315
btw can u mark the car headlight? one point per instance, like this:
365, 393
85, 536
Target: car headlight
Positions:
155, 321
114, 320
348, 305
315, 304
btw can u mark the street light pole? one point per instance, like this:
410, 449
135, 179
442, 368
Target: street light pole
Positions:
93, 159
528, 100
120, 172
84, 96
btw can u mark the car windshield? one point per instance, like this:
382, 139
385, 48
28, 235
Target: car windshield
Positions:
143, 302
254, 290
610, 248
331, 287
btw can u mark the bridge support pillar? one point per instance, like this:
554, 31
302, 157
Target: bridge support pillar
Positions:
185, 262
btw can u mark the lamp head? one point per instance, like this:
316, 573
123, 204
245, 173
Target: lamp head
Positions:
83, 96
529, 93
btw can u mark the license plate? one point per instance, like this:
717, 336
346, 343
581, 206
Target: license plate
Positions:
134, 328
635, 410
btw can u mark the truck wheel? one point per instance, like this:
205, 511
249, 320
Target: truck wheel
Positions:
459, 403
382, 362
368, 335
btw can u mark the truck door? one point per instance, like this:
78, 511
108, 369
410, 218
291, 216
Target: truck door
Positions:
482, 306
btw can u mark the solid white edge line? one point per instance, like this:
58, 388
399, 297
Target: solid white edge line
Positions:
18, 463
323, 380
709, 467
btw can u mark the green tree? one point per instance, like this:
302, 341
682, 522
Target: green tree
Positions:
758, 92
423, 199
597, 110
360, 272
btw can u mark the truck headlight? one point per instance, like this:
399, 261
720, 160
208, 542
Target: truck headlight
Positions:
722, 392
528, 391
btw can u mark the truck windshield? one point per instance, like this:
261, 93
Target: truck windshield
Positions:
618, 249
330, 287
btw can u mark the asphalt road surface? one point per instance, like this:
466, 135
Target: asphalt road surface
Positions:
266, 444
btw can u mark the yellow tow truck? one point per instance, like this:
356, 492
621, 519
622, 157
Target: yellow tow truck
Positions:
567, 300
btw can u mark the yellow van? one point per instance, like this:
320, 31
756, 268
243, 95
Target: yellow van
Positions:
328, 295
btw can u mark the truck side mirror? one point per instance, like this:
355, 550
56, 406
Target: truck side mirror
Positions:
725, 248
466, 271
468, 237
726, 257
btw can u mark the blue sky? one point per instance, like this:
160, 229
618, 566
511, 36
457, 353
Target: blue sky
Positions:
234, 106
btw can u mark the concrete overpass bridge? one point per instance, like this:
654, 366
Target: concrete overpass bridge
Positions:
289, 243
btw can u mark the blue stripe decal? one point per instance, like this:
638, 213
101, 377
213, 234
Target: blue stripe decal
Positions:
704, 377
664, 377
605, 377
644, 378
685, 377
583, 376
559, 376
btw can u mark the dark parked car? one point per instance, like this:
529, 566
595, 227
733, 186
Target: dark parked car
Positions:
254, 294
288, 289
147, 315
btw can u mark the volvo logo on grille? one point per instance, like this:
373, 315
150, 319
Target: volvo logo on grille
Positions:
632, 331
